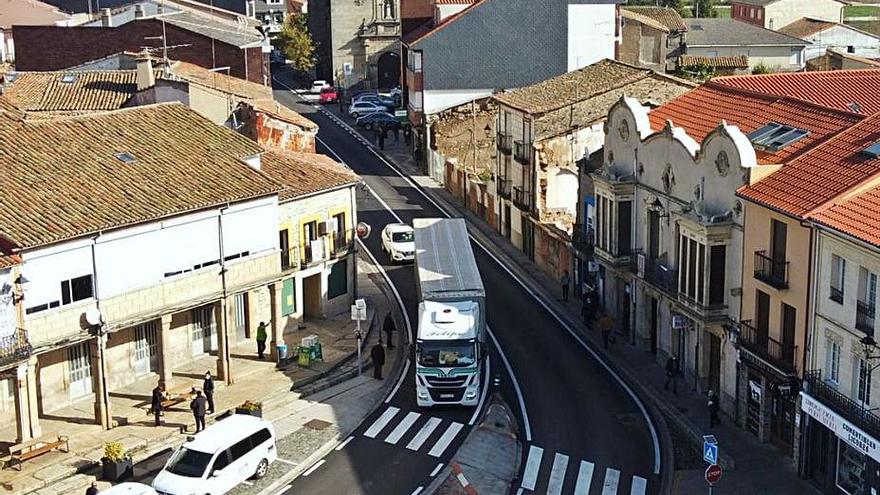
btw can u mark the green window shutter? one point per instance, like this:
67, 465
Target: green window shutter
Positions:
288, 297
337, 282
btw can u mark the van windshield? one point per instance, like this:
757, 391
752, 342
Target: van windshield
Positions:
447, 353
189, 463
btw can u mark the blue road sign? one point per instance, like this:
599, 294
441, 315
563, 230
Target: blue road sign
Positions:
710, 449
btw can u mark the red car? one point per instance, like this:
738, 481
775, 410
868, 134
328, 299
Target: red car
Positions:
329, 95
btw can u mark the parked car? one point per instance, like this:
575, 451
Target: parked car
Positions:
361, 93
318, 85
359, 108
129, 488
378, 119
220, 458
399, 242
377, 99
329, 95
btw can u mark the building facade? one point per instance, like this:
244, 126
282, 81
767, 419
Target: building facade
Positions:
773, 14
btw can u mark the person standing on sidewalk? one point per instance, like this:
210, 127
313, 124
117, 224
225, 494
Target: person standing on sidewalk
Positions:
378, 355
713, 409
156, 402
606, 325
388, 326
565, 281
672, 374
208, 387
198, 406
261, 339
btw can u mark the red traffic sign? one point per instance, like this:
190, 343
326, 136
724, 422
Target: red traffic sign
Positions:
713, 474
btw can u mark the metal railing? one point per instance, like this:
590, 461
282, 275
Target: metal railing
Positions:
290, 258
522, 198
583, 238
661, 276
766, 347
504, 143
854, 411
504, 187
771, 271
836, 294
342, 243
15, 347
865, 317
522, 152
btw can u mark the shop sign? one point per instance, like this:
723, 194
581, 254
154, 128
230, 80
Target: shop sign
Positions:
845, 430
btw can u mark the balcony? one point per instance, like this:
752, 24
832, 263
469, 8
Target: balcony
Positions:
522, 152
772, 272
342, 243
865, 317
583, 239
767, 348
850, 409
14, 347
289, 257
504, 143
662, 277
836, 295
522, 198
504, 187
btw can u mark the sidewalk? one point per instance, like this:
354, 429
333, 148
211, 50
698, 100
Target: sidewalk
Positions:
750, 466
283, 393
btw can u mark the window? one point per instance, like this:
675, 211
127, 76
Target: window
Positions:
624, 229
692, 274
447, 353
284, 244
221, 461
717, 265
762, 314
867, 304
833, 361
240, 449
309, 234
260, 437
795, 58
752, 13
337, 281
789, 321
838, 276
189, 463
759, 14
863, 382
76, 289
851, 469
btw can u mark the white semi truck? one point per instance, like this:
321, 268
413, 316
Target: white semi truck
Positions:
450, 344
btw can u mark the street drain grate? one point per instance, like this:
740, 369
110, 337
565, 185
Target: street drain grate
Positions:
317, 424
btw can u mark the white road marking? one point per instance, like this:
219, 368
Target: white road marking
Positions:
444, 441
436, 469
400, 379
519, 394
402, 428
343, 444
479, 409
639, 486
533, 465
612, 479
313, 468
424, 433
381, 422
557, 474
585, 478
285, 461
418, 490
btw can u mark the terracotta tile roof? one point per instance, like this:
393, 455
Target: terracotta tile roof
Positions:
835, 89
281, 112
822, 174
84, 91
735, 62
806, 26
62, 178
29, 13
632, 15
216, 80
701, 110
9, 260
858, 216
664, 15
305, 173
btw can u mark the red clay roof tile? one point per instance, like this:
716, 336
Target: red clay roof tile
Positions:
859, 216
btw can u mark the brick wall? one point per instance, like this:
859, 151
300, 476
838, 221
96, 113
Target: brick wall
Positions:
46, 48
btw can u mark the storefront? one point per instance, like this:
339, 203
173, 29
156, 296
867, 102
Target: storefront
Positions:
768, 399
838, 456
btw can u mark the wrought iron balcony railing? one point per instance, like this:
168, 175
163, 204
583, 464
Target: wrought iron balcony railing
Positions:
15, 347
522, 198
865, 317
855, 412
766, 347
771, 271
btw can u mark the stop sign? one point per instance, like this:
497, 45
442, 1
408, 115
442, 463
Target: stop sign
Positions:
713, 473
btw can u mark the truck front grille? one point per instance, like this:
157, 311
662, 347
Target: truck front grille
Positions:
455, 381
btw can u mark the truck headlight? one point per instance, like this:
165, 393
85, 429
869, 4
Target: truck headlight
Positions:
472, 394
423, 395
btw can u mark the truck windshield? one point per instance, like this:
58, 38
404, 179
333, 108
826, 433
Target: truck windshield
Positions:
447, 353
189, 463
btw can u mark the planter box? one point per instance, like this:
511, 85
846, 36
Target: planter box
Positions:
257, 412
116, 471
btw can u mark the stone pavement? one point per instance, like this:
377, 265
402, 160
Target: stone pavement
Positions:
282, 392
751, 467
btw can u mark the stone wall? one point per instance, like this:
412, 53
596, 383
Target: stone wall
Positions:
458, 129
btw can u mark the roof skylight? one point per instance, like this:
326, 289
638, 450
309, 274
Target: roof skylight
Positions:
68, 78
775, 136
872, 151
126, 158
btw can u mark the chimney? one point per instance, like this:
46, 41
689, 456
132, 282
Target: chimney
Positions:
106, 18
146, 78
138, 11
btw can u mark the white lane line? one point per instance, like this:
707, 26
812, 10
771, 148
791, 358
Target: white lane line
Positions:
519, 394
343, 444
402, 428
557, 474
519, 492
381, 422
444, 441
612, 479
285, 461
585, 478
639, 486
436, 470
488, 372
424, 433
313, 468
418, 490
399, 380
533, 465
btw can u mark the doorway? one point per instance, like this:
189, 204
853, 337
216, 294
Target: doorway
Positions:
80, 374
241, 315
204, 336
146, 348
506, 224
312, 296
388, 68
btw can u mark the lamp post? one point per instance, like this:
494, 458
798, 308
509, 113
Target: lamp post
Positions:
872, 353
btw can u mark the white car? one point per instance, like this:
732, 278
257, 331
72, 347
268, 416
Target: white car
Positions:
318, 85
220, 458
398, 241
359, 108
129, 489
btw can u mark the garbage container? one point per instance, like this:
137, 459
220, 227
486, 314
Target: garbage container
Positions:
282, 351
304, 356
316, 352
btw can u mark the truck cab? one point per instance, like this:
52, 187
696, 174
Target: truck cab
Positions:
448, 354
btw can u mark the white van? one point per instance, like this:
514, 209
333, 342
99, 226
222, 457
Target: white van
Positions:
219, 458
129, 489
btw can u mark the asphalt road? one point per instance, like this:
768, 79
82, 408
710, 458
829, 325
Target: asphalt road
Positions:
587, 435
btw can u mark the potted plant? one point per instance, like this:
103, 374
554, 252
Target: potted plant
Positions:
251, 408
116, 463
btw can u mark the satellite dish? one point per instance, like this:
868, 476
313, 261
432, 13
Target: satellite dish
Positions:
94, 318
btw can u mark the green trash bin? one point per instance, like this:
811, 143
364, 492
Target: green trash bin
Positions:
316, 352
305, 356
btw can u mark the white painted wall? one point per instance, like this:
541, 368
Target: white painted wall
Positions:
783, 12
46, 268
443, 11
840, 37
562, 190
437, 100
590, 34
778, 58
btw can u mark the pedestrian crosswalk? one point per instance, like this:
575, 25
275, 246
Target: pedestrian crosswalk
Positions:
557, 479
420, 430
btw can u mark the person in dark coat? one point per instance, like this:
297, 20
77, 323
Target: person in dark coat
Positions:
388, 326
587, 309
262, 335
565, 282
199, 407
208, 387
92, 489
672, 374
156, 402
378, 355
713, 409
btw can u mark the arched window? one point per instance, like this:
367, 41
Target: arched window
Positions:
388, 9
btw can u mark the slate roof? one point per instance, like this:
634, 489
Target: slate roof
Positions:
856, 216
305, 173
85, 91
731, 32
806, 26
667, 17
28, 13
734, 62
62, 178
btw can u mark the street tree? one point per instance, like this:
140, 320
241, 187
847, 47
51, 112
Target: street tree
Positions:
704, 8
296, 43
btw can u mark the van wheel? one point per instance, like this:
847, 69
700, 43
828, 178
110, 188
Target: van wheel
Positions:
262, 469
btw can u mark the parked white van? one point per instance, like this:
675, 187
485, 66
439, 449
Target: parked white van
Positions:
219, 458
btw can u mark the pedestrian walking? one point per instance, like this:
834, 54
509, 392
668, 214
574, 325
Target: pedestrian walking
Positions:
92, 489
208, 387
156, 402
672, 374
565, 281
388, 326
713, 409
199, 407
606, 325
378, 355
587, 308
261, 339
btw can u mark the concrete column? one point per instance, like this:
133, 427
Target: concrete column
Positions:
22, 413
33, 407
103, 416
165, 360
766, 410
276, 335
224, 372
